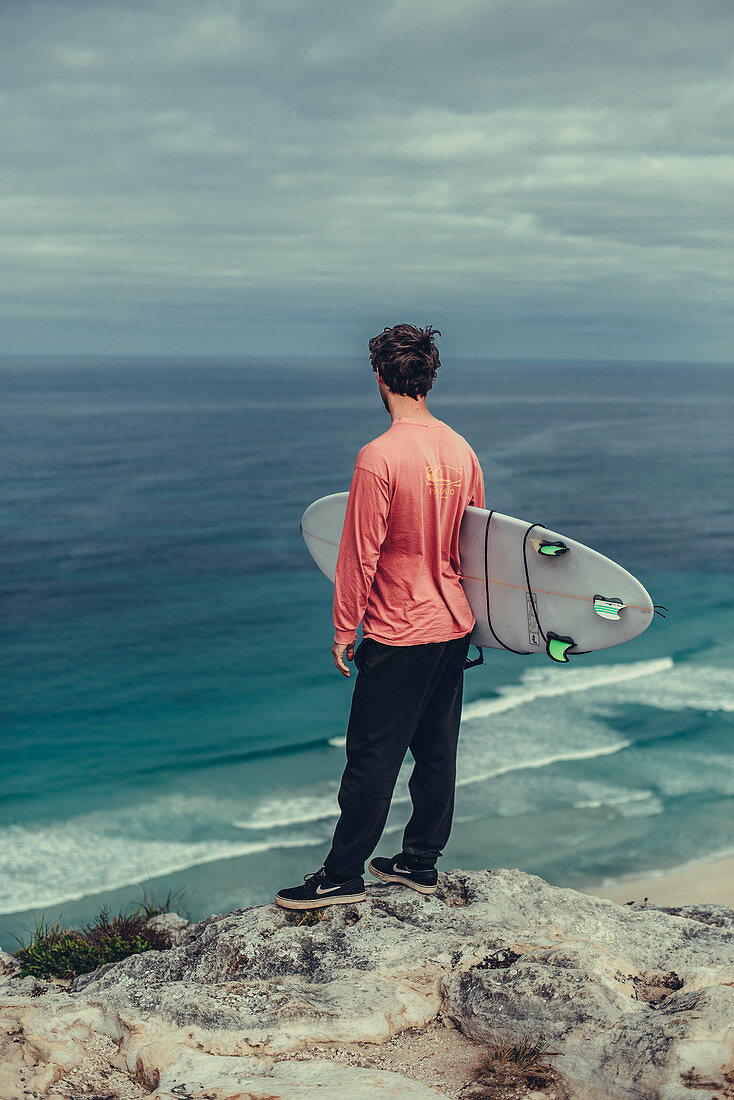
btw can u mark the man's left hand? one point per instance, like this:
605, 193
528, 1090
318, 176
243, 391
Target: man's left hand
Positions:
338, 652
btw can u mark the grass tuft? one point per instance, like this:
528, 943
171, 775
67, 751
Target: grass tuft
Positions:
508, 1067
152, 908
306, 917
56, 952
524, 1055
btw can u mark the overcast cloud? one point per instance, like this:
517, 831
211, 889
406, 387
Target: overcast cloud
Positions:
545, 178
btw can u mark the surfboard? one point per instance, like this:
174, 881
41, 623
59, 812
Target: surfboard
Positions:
531, 589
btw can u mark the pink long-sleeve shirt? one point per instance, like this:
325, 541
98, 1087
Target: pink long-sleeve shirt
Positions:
398, 569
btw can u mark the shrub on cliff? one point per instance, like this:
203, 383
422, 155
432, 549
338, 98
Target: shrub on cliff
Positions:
55, 952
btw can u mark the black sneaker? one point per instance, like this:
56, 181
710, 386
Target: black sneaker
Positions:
395, 870
318, 890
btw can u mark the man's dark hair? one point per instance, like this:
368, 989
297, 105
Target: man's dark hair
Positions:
406, 358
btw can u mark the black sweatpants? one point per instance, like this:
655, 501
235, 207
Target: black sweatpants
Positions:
405, 697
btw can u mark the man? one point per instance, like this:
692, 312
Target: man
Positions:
398, 574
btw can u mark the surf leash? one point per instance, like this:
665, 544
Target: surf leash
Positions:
496, 637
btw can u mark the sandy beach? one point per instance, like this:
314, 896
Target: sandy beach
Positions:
711, 881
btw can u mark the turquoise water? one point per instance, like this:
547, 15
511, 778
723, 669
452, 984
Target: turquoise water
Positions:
171, 716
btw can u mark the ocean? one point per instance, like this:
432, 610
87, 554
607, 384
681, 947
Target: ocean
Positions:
171, 718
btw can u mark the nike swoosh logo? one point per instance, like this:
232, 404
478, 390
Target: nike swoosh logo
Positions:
401, 870
328, 890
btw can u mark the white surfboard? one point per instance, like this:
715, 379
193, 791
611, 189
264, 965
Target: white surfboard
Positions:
531, 590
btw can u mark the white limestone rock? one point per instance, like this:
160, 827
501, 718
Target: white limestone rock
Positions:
235, 1078
170, 925
9, 965
632, 998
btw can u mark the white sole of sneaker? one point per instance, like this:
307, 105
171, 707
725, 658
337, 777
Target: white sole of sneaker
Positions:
399, 879
286, 903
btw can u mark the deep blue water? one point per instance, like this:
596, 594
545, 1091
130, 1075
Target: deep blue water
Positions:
169, 704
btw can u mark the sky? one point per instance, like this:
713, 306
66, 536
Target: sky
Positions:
535, 178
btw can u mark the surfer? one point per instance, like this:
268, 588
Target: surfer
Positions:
398, 575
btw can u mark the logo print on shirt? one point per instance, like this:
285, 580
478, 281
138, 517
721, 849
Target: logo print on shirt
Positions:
442, 480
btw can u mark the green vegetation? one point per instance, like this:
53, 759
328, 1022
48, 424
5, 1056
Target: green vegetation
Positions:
56, 952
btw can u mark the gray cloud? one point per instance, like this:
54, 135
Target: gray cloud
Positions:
537, 177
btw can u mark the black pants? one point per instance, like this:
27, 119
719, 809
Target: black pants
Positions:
405, 697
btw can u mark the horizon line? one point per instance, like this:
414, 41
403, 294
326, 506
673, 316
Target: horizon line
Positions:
268, 356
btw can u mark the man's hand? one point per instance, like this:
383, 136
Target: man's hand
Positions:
338, 652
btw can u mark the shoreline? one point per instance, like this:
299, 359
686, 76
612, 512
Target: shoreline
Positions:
705, 881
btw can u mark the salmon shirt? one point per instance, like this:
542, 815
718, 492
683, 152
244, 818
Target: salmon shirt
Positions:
398, 569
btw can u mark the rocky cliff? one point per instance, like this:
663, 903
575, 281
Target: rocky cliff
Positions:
400, 996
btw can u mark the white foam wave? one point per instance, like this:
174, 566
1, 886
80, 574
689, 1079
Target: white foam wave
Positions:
50, 864
625, 803
552, 716
691, 686
612, 798
542, 762
681, 770
274, 813
550, 683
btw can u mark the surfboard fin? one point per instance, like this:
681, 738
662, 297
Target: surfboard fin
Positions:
557, 646
608, 607
552, 549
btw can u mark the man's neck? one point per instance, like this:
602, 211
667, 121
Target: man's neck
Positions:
409, 408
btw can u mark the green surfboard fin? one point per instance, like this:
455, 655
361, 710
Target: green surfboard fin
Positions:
557, 647
608, 607
552, 549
